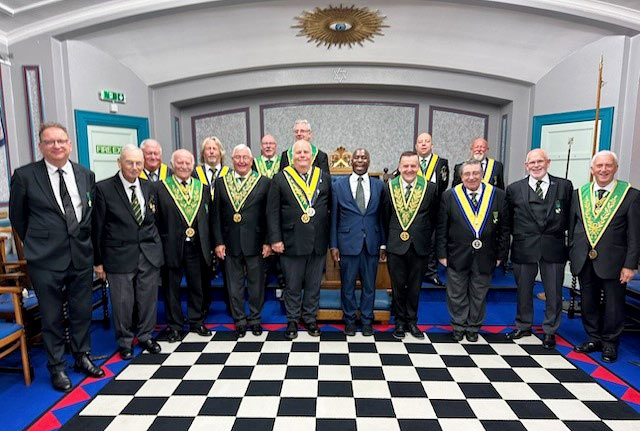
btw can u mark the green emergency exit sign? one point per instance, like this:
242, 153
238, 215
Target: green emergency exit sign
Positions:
108, 149
112, 96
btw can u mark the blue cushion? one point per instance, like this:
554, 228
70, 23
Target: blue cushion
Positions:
6, 304
330, 299
7, 329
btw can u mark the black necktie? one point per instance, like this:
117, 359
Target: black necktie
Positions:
213, 175
69, 212
360, 196
240, 180
539, 191
135, 204
474, 201
184, 183
408, 192
601, 193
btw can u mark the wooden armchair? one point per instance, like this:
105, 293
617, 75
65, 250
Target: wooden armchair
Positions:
12, 334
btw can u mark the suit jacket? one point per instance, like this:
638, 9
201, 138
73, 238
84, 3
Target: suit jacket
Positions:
441, 173
619, 246
118, 240
496, 180
421, 229
247, 237
172, 226
350, 229
454, 236
284, 223
321, 161
41, 224
532, 241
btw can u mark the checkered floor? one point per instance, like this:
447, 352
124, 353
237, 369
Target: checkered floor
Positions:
337, 383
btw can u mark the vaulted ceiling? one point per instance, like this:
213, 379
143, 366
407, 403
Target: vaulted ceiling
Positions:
164, 41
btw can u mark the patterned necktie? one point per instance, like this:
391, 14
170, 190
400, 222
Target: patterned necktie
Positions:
240, 181
539, 191
602, 193
69, 212
360, 196
269, 164
213, 175
408, 192
474, 199
135, 204
423, 165
153, 176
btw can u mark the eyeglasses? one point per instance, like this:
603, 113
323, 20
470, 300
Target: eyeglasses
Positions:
49, 143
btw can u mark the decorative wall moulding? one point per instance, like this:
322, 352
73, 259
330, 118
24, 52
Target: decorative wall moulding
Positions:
35, 106
338, 26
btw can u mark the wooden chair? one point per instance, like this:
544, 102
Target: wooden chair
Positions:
12, 334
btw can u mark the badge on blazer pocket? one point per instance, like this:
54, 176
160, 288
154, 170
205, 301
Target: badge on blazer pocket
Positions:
89, 201
152, 206
558, 206
495, 217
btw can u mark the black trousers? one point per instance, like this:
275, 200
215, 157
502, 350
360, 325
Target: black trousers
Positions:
602, 322
192, 265
405, 271
238, 269
52, 289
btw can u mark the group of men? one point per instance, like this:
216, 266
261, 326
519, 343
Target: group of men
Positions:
150, 224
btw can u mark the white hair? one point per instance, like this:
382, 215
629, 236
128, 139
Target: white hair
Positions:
150, 141
303, 122
181, 151
241, 147
604, 153
545, 153
129, 148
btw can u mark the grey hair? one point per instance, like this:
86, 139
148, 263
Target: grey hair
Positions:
470, 162
303, 122
241, 147
181, 150
545, 153
216, 141
604, 153
150, 141
129, 147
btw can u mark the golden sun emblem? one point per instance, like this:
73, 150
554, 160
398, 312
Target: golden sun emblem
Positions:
340, 25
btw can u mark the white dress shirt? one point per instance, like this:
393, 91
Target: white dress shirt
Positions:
478, 192
426, 163
70, 182
366, 186
405, 184
127, 188
609, 187
207, 171
544, 185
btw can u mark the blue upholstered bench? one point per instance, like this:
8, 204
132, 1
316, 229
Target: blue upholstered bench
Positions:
632, 300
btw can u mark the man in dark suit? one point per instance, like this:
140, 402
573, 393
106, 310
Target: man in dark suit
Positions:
153, 170
493, 171
604, 241
50, 207
539, 218
473, 237
302, 131
409, 214
356, 237
240, 230
127, 250
184, 221
298, 226
268, 162
434, 169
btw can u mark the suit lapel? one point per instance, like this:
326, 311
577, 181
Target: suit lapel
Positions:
42, 178
117, 183
524, 187
346, 189
81, 182
551, 195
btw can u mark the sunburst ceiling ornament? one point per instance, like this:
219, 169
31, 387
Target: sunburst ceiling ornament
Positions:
337, 26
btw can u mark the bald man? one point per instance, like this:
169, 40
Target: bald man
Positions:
539, 208
183, 217
127, 250
492, 170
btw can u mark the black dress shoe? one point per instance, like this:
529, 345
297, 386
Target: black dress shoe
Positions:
126, 353
83, 363
151, 346
588, 347
549, 341
256, 329
398, 332
312, 329
457, 335
172, 336
472, 337
60, 381
350, 329
292, 331
367, 330
609, 354
415, 331
241, 330
201, 330
518, 333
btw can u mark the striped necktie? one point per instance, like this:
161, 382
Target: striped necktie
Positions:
135, 204
539, 191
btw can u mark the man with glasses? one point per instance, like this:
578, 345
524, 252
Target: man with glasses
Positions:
268, 162
50, 207
302, 131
